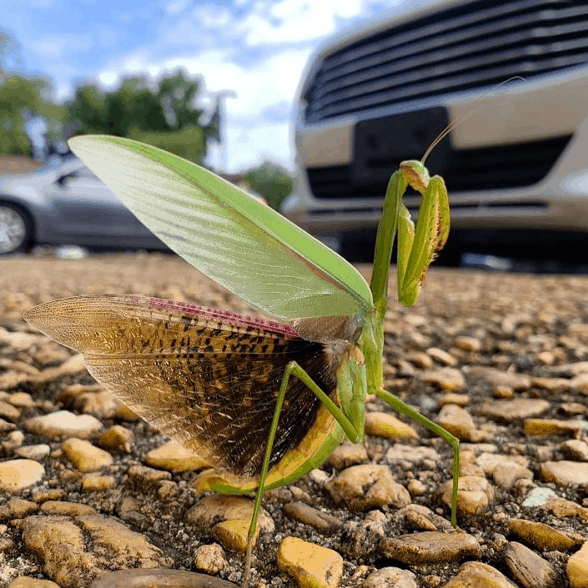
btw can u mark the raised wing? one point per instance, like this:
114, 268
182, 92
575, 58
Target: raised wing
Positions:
205, 377
240, 243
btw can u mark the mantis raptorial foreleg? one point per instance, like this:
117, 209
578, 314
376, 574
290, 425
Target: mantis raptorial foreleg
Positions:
416, 250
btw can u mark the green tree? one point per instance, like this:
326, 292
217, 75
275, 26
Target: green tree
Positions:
21, 98
162, 114
271, 182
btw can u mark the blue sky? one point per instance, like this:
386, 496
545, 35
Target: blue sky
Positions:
258, 48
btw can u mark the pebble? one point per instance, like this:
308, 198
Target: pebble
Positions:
384, 424
453, 398
505, 476
565, 473
233, 534
474, 496
368, 486
446, 378
21, 400
442, 356
89, 399
401, 453
457, 421
575, 448
174, 457
85, 456
58, 543
580, 383
577, 568
50, 353
63, 424
210, 558
420, 359
467, 343
26, 582
561, 508
143, 475
421, 518
65, 508
43, 494
348, 454
390, 578
528, 568
489, 461
573, 408
8, 411
542, 536
35, 452
505, 392
498, 377
551, 384
94, 482
513, 410
322, 522
228, 519
18, 474
117, 438
311, 566
431, 547
17, 508
158, 578
362, 538
416, 487
12, 441
546, 427
72, 366
475, 574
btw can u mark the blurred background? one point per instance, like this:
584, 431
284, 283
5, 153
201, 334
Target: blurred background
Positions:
310, 107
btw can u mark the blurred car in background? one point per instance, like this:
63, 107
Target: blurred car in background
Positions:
66, 204
515, 165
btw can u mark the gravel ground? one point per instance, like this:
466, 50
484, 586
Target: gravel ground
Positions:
501, 360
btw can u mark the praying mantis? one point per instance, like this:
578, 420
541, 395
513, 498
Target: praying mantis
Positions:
264, 401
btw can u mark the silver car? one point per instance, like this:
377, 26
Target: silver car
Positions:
516, 164
66, 204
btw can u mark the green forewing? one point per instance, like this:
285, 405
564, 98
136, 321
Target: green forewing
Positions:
229, 236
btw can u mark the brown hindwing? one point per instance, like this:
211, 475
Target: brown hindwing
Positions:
207, 378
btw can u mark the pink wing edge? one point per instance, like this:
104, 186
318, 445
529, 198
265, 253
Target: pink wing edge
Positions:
214, 314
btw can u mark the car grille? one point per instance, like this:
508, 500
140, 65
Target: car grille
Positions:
471, 170
473, 45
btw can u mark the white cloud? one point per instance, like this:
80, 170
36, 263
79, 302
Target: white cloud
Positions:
297, 20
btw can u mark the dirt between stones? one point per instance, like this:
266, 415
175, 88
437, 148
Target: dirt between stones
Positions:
501, 360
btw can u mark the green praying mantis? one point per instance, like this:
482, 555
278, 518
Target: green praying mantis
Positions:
264, 401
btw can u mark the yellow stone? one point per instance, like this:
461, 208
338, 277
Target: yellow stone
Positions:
383, 424
577, 568
311, 566
233, 534
85, 456
175, 457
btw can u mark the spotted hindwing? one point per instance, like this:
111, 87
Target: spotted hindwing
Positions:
205, 377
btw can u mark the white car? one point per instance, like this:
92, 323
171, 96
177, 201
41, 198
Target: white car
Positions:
516, 164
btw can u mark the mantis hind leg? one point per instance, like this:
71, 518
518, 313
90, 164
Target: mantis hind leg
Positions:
292, 369
450, 439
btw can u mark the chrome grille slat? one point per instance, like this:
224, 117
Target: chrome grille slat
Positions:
470, 46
